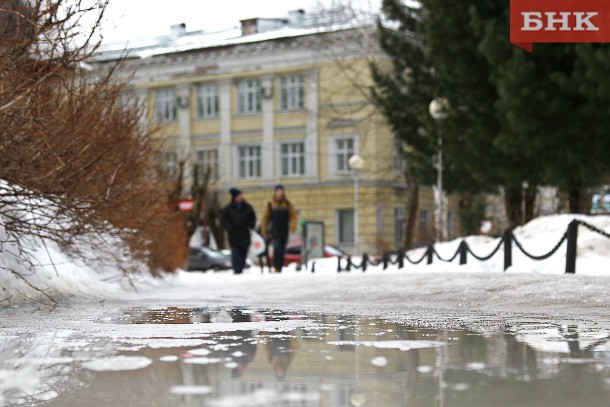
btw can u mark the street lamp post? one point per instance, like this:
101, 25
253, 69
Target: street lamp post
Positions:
356, 164
438, 111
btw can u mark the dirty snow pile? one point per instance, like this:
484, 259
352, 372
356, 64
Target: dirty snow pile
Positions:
34, 268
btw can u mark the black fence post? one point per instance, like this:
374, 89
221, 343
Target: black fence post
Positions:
400, 259
508, 248
463, 252
386, 260
349, 263
572, 247
313, 267
365, 260
338, 264
430, 253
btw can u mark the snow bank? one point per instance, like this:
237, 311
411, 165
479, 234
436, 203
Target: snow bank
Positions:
527, 285
34, 268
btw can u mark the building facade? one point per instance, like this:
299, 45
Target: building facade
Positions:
279, 101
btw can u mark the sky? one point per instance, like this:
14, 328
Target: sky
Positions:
137, 19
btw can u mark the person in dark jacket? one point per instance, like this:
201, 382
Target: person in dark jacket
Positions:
279, 218
237, 218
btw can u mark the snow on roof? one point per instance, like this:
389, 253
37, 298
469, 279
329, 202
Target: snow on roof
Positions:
198, 40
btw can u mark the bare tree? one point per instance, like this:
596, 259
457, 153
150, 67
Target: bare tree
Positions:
74, 159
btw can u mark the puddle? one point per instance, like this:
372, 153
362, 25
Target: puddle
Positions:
278, 358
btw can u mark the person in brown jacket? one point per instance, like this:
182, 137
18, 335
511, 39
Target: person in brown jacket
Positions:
279, 218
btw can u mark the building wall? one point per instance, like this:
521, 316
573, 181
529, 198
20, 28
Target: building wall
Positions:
336, 108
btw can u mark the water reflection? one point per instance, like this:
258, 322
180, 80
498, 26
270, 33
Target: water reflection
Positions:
334, 360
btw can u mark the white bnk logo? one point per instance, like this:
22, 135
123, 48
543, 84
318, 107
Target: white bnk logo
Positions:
534, 21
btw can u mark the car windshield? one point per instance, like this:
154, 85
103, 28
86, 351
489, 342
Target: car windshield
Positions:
213, 254
333, 251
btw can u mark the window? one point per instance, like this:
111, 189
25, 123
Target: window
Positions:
345, 226
292, 92
293, 159
207, 101
424, 225
203, 160
400, 164
248, 96
165, 106
170, 161
399, 218
249, 159
344, 149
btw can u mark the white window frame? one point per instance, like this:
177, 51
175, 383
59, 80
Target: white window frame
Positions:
249, 96
252, 163
295, 160
345, 156
207, 100
341, 243
166, 110
292, 92
206, 157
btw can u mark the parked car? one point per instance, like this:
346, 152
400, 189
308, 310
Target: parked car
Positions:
293, 253
204, 258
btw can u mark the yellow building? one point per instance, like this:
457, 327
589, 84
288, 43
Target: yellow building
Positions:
279, 101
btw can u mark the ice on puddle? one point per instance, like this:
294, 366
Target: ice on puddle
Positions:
191, 390
400, 345
118, 363
477, 366
238, 354
202, 361
168, 358
425, 369
25, 378
199, 352
328, 387
461, 387
380, 361
165, 343
266, 397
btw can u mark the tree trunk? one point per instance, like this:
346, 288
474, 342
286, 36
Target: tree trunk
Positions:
575, 193
411, 206
530, 203
512, 201
213, 219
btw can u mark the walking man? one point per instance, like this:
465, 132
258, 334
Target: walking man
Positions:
279, 218
238, 218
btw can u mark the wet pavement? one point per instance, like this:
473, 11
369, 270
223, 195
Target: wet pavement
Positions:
233, 356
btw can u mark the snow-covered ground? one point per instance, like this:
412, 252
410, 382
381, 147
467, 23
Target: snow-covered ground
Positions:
532, 286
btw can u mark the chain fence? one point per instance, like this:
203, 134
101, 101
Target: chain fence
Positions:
464, 249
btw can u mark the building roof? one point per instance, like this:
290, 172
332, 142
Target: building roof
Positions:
182, 41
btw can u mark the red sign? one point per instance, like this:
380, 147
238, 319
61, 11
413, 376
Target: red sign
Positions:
557, 21
186, 205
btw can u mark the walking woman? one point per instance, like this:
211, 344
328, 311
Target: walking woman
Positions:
279, 218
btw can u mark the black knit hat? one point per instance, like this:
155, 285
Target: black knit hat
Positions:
234, 192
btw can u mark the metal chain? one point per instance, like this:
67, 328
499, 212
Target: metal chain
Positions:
418, 261
446, 261
480, 258
594, 229
545, 256
485, 258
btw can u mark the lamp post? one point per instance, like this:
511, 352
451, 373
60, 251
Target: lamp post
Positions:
356, 164
438, 111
